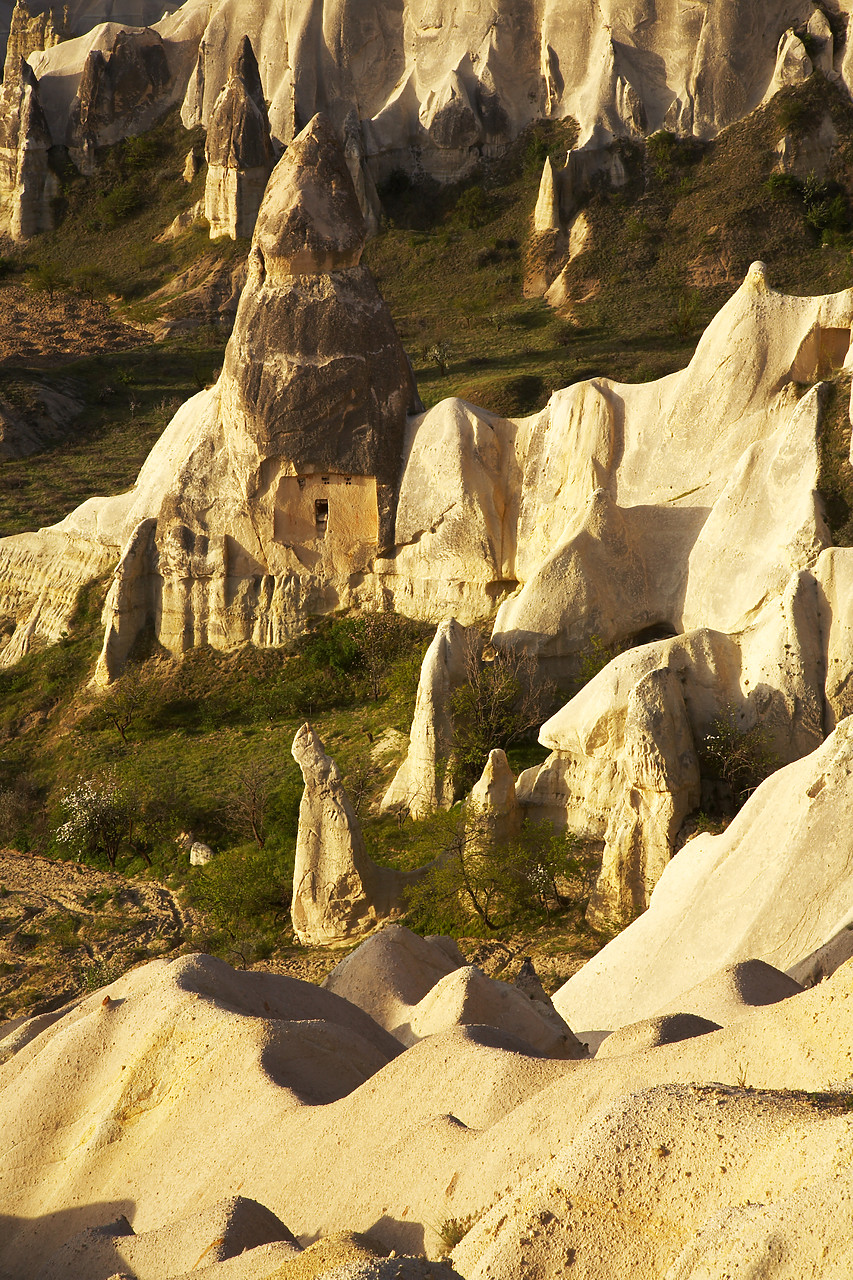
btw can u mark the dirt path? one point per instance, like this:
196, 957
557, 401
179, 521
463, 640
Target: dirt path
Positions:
65, 928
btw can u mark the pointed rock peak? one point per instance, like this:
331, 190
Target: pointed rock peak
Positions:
310, 222
245, 68
756, 278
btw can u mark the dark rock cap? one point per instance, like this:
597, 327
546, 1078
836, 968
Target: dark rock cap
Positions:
310, 221
238, 136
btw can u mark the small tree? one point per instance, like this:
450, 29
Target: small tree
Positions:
99, 818
741, 758
438, 353
247, 808
127, 699
500, 882
501, 700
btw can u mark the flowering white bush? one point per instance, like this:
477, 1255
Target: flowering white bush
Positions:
98, 818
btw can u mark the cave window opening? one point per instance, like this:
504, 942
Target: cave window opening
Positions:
321, 516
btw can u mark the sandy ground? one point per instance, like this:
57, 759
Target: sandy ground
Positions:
39, 332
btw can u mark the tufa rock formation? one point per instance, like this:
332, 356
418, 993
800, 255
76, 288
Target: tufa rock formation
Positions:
774, 886
414, 988
119, 93
652, 1159
339, 892
238, 149
437, 93
28, 185
424, 781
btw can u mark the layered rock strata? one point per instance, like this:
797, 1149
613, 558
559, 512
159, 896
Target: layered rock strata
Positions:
238, 149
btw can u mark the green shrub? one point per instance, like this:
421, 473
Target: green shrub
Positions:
478, 883
740, 758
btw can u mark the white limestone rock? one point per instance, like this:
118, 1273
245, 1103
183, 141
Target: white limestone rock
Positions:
793, 64
425, 782
774, 886
492, 808
28, 185
546, 216
339, 893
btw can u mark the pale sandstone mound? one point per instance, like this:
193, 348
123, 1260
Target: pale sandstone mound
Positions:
424, 782
391, 972
127, 1093
215, 1235
668, 1029
698, 1172
735, 991
466, 997
417, 987
238, 149
774, 887
339, 892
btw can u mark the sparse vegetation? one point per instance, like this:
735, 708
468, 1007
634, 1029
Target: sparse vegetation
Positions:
738, 758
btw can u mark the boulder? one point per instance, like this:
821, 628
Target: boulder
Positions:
424, 782
658, 786
200, 854
238, 149
793, 64
339, 893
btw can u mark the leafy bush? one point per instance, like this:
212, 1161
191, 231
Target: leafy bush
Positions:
241, 891
739, 758
500, 702
118, 204
99, 818
478, 882
471, 208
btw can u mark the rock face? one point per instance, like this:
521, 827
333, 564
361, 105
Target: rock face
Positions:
339, 893
304, 483
29, 32
424, 781
425, 90
27, 182
269, 496
239, 150
329, 1126
775, 886
492, 806
119, 92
